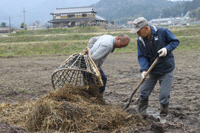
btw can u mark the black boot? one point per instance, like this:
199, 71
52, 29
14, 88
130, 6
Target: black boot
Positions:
163, 112
142, 106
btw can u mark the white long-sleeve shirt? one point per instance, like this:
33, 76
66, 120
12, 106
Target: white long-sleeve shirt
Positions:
101, 47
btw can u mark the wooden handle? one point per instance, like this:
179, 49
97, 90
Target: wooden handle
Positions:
141, 81
151, 67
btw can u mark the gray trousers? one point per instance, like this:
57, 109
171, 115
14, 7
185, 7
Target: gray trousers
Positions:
165, 82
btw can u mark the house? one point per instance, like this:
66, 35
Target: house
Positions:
5, 29
130, 24
38, 27
161, 21
76, 16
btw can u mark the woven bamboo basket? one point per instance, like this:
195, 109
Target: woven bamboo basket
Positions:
78, 70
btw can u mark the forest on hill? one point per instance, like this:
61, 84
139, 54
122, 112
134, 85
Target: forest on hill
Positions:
126, 10
181, 9
122, 11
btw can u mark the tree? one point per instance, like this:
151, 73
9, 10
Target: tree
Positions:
198, 13
181, 9
3, 24
112, 22
166, 13
123, 20
193, 14
22, 26
47, 26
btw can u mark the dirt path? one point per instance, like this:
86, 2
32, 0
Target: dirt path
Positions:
27, 77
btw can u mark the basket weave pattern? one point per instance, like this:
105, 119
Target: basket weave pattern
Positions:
78, 70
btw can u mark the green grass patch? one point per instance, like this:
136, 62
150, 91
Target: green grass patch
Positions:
55, 37
74, 40
50, 48
189, 42
185, 30
61, 31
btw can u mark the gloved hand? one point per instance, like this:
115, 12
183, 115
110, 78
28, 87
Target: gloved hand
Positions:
162, 52
143, 74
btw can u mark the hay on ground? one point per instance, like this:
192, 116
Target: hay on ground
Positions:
69, 109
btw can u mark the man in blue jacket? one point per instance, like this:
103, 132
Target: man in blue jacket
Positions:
153, 42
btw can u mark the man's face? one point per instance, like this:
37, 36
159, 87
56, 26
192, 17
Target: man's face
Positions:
143, 32
121, 44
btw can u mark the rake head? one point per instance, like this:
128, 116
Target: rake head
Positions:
78, 70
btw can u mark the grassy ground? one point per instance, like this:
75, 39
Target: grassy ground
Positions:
73, 40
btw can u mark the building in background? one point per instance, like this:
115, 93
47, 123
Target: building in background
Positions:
5, 30
171, 21
161, 21
130, 24
76, 16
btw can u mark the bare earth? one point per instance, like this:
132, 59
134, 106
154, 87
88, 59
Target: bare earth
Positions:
27, 77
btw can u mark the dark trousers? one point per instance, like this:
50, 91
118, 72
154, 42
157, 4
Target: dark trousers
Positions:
104, 79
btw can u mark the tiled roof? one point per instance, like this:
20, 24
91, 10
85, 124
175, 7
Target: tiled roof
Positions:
73, 10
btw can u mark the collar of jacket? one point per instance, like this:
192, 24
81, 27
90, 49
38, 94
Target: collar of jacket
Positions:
153, 31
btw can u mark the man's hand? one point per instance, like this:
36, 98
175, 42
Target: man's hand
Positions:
143, 74
162, 52
85, 51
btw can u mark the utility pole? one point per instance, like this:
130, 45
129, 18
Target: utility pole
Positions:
9, 26
24, 18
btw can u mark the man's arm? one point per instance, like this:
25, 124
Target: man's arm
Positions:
92, 41
169, 37
143, 61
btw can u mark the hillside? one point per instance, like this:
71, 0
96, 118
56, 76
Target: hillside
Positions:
183, 8
130, 9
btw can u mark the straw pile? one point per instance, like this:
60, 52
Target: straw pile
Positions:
68, 109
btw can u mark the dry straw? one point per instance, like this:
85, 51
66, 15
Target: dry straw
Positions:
68, 109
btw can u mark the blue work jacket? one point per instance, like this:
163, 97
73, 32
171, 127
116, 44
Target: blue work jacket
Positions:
161, 37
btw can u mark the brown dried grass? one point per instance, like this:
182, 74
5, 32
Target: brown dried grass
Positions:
68, 109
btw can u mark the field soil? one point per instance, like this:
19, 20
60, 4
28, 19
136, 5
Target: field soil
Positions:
29, 77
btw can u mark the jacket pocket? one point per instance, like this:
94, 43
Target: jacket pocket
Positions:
165, 63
